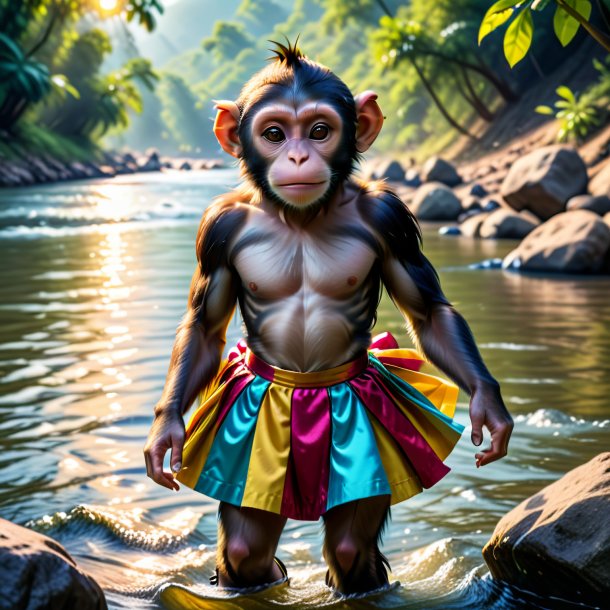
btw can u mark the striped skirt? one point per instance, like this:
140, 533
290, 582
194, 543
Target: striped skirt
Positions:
298, 444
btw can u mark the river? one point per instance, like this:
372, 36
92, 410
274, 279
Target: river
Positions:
94, 280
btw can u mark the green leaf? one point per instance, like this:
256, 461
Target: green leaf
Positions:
565, 25
518, 37
544, 110
566, 93
498, 13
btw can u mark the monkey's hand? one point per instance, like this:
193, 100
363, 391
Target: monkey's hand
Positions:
487, 409
167, 432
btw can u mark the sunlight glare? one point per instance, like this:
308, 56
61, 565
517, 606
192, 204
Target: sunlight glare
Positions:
108, 5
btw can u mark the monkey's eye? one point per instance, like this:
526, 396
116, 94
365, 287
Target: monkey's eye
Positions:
274, 134
319, 132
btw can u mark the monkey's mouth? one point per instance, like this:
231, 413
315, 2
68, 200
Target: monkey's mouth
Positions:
301, 184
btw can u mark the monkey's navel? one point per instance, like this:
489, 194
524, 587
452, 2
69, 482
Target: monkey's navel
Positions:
253, 287
351, 280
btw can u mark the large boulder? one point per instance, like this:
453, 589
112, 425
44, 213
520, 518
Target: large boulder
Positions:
38, 573
600, 183
508, 224
436, 169
544, 180
435, 201
558, 541
572, 242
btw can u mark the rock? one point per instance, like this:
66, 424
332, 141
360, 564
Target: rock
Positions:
570, 242
450, 230
506, 224
490, 205
600, 204
412, 178
558, 541
152, 163
389, 170
478, 190
215, 164
38, 573
435, 201
471, 227
129, 159
186, 166
600, 183
544, 180
471, 203
436, 169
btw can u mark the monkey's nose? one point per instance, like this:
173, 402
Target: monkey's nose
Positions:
298, 156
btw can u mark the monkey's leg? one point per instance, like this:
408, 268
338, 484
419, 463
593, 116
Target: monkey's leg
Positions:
351, 545
247, 542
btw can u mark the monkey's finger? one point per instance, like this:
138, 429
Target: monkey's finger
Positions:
477, 419
499, 446
176, 458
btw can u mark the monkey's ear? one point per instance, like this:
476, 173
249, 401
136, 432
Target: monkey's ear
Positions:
370, 120
225, 127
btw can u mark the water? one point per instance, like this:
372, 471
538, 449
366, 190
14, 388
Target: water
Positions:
94, 281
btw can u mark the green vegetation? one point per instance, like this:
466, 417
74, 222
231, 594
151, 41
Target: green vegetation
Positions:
74, 70
50, 73
569, 16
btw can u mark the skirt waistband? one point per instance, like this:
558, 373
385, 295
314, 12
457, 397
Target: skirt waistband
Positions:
313, 379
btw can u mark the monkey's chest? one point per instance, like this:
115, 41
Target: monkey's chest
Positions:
279, 269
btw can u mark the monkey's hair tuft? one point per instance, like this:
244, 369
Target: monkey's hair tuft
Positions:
291, 55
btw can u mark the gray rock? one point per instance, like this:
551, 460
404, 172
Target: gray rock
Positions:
436, 169
558, 541
600, 183
571, 242
470, 202
152, 163
490, 205
435, 201
389, 170
544, 180
186, 166
506, 224
39, 574
412, 177
450, 230
471, 227
600, 204
478, 190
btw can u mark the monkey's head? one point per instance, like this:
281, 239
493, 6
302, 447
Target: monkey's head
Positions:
297, 129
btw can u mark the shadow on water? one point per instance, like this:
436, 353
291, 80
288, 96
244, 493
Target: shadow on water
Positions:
97, 282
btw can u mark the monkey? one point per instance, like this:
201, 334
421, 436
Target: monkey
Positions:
310, 417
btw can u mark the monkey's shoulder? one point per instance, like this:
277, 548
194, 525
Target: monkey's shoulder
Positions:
390, 219
220, 223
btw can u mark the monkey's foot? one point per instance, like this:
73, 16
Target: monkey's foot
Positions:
278, 562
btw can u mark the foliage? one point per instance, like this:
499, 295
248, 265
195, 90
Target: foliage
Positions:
21, 77
227, 40
569, 16
577, 115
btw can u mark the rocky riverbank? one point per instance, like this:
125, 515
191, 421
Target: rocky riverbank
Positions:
40, 169
554, 198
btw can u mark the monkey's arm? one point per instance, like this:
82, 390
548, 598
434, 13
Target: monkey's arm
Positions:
443, 335
438, 330
200, 340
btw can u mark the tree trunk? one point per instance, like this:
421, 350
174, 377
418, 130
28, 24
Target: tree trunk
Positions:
438, 102
483, 109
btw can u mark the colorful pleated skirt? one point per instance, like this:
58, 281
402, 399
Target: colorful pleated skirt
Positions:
298, 444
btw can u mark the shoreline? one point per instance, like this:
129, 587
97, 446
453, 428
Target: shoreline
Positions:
34, 170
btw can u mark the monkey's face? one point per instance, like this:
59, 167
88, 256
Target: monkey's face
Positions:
298, 144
